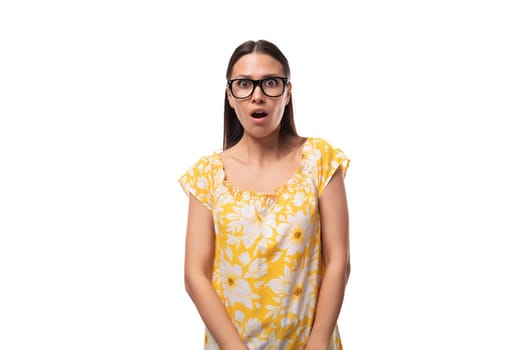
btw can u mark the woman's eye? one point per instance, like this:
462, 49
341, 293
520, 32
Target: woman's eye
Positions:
271, 82
244, 83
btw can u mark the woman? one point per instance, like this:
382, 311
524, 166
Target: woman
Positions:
267, 243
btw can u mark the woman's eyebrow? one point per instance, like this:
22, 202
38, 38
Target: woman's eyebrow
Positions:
245, 76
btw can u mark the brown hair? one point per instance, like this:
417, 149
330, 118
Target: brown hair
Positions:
233, 129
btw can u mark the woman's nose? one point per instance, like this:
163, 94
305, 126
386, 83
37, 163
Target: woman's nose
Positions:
258, 94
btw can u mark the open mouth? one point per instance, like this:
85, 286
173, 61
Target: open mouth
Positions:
259, 115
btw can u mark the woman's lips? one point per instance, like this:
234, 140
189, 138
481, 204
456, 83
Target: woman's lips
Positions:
259, 115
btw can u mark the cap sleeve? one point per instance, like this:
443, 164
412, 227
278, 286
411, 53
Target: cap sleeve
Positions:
198, 181
329, 161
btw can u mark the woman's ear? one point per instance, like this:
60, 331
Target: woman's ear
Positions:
288, 93
229, 97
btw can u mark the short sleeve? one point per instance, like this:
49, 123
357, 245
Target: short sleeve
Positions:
197, 181
330, 160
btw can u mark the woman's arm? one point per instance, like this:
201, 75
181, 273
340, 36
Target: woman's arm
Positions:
336, 252
198, 264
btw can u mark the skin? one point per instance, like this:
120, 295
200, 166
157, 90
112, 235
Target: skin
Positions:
261, 161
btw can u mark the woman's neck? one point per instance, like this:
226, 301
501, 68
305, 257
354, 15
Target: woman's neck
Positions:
266, 150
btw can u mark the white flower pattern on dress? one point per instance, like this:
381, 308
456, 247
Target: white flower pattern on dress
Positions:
295, 233
268, 257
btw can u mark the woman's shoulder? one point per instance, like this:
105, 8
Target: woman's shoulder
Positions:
323, 150
325, 159
320, 143
207, 162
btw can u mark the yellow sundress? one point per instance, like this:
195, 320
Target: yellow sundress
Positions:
268, 261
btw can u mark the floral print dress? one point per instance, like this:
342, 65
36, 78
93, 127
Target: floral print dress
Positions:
268, 262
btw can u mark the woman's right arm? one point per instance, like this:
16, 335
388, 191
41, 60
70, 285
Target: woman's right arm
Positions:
198, 264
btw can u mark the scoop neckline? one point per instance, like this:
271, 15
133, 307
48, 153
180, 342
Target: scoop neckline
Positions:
239, 192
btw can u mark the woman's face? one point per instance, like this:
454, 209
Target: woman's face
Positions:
259, 114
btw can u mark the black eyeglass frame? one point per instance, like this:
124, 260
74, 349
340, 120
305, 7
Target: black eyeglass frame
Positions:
255, 84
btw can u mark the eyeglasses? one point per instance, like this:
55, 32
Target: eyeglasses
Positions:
244, 88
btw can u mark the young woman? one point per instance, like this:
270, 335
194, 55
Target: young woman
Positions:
267, 244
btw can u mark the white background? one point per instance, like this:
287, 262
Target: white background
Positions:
104, 104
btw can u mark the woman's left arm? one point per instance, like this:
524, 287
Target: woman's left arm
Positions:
336, 252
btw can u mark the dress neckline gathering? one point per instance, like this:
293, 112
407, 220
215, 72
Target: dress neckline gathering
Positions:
243, 193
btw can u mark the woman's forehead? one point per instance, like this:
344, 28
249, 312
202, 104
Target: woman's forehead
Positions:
257, 64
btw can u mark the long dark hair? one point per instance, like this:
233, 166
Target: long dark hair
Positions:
233, 129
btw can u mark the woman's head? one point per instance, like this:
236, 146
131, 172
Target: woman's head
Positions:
265, 75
